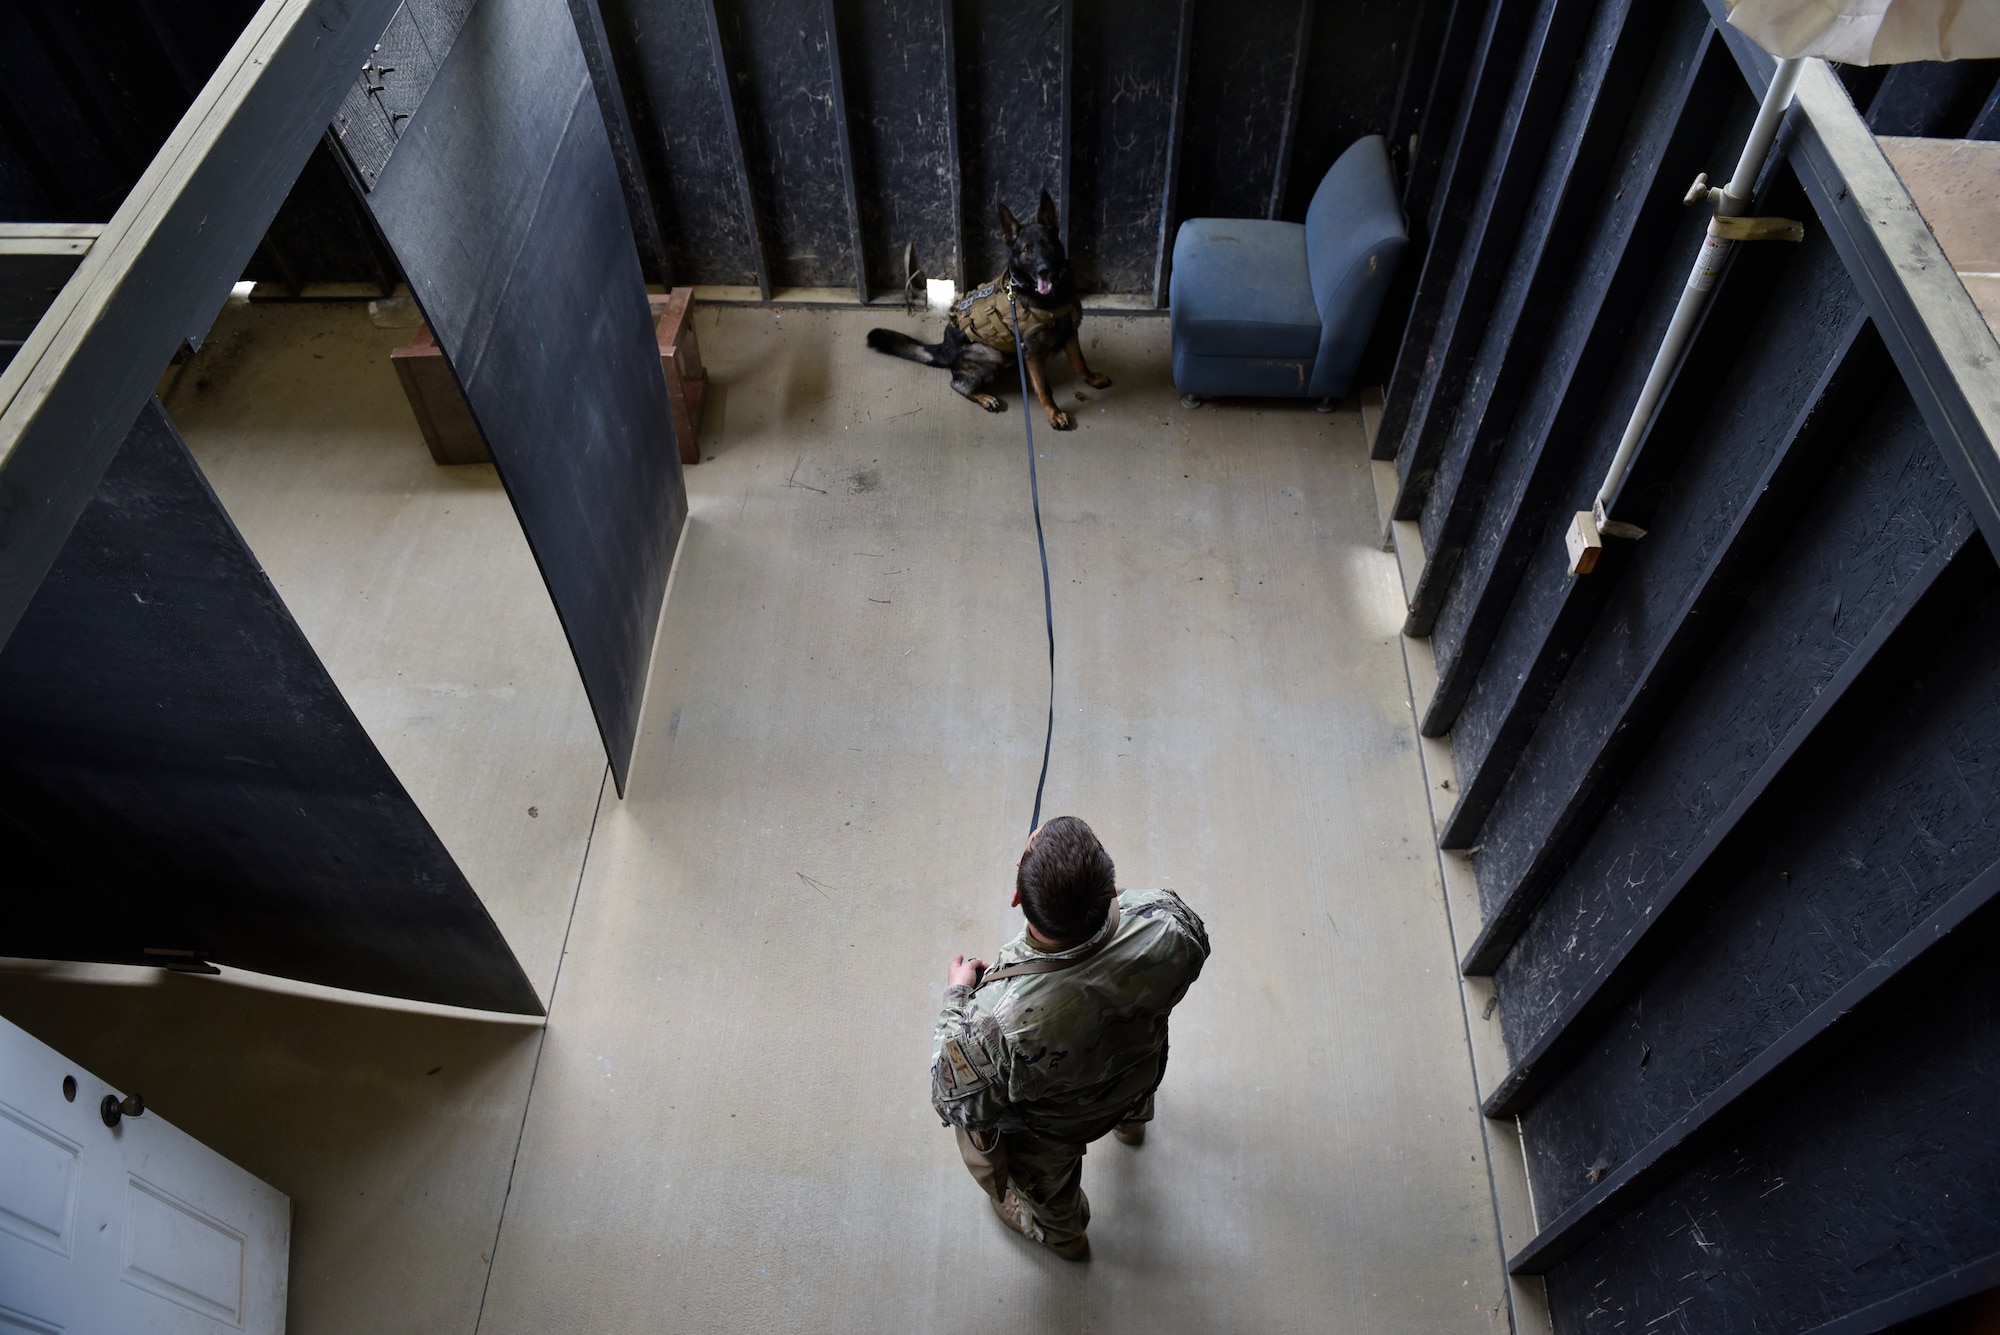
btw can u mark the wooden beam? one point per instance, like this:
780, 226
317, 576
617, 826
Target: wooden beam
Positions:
732, 120
1607, 83
36, 259
1506, 192
163, 268
1491, 78
847, 177
1620, 257
646, 230
1698, 1129
1281, 169
952, 112
1170, 179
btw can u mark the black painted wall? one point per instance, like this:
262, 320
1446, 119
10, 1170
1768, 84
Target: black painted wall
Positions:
181, 781
952, 106
90, 89
1733, 800
815, 143
502, 202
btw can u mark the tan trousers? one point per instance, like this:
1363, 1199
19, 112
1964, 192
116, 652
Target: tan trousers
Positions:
1046, 1176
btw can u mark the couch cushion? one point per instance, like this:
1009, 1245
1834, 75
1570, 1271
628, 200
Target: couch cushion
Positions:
1241, 288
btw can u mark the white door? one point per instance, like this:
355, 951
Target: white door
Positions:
129, 1229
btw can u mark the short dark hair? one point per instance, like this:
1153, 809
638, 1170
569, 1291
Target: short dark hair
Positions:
1066, 881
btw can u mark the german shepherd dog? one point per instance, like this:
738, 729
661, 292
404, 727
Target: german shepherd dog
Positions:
979, 342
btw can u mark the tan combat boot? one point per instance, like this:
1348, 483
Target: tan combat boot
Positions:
1009, 1210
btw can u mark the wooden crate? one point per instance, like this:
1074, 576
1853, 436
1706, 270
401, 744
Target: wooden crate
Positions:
453, 435
442, 413
680, 361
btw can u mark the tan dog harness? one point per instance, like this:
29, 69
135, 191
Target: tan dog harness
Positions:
982, 315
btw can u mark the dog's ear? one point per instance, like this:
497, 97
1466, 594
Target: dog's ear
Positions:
1010, 226
1046, 215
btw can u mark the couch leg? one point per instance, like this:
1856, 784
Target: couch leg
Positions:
1192, 400
1325, 405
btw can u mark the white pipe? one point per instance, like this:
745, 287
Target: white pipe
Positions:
1732, 201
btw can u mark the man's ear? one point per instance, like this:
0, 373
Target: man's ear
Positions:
1010, 226
1015, 902
1046, 215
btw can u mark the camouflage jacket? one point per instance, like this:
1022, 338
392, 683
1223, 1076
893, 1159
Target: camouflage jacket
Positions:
1064, 1054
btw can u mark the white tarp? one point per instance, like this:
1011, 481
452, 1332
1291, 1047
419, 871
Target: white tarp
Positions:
1872, 32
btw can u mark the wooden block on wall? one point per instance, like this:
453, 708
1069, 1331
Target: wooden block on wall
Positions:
453, 436
680, 362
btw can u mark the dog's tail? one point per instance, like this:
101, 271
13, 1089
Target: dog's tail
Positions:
902, 345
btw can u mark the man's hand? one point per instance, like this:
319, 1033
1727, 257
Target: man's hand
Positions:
964, 972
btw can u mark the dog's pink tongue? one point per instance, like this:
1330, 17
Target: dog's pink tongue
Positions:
1044, 286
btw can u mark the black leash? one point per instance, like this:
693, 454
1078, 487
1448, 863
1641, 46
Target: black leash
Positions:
1041, 544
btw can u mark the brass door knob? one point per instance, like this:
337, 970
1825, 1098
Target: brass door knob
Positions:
114, 1110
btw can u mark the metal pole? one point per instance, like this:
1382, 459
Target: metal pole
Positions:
1731, 201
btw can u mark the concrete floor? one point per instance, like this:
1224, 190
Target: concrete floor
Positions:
725, 1124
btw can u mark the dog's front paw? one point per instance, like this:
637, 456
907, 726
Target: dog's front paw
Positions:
990, 403
1096, 381
1061, 420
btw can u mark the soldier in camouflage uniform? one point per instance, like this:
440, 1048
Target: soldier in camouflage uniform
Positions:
1065, 1038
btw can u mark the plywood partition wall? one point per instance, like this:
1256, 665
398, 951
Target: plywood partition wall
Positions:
181, 783
502, 201
1731, 802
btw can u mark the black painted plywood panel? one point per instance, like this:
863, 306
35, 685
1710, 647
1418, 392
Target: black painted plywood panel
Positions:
1883, 512
1871, 528
1880, 1173
1124, 101
899, 111
1346, 95
1478, 113
89, 90
1011, 117
1734, 798
1936, 99
178, 772
503, 204
1731, 472
1596, 109
1506, 192
791, 142
1506, 698
1670, 136
681, 118
392, 82
1238, 95
322, 233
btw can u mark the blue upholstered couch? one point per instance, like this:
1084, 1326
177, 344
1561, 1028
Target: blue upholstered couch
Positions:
1279, 310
